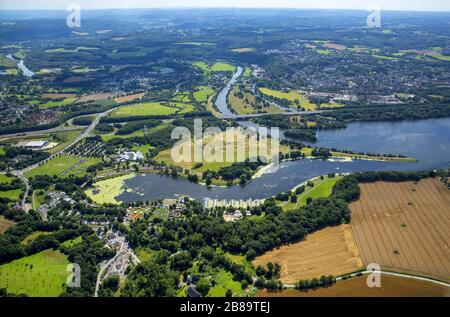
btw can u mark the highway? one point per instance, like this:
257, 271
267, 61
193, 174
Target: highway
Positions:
21, 173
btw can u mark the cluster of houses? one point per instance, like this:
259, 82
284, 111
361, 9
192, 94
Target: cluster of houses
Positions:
238, 204
56, 198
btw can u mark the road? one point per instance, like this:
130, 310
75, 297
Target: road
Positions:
21, 173
124, 251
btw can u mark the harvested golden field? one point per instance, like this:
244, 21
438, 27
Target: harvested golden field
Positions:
404, 227
128, 98
97, 97
391, 286
328, 251
58, 96
5, 224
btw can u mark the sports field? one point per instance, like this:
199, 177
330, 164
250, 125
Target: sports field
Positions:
404, 227
39, 275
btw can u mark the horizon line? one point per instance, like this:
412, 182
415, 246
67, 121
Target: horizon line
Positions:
231, 7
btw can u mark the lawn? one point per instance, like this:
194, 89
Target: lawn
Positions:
144, 109
13, 194
203, 93
321, 189
224, 281
2, 150
106, 191
293, 96
40, 275
247, 72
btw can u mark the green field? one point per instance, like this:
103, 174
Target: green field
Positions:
71, 243
76, 50
247, 72
40, 275
203, 93
295, 97
441, 57
63, 138
224, 281
2, 150
61, 164
216, 67
321, 189
6, 179
13, 194
144, 109
60, 103
106, 191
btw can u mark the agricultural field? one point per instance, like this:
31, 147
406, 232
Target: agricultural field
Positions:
322, 189
404, 227
328, 251
203, 93
106, 191
391, 286
145, 109
248, 104
39, 275
5, 224
129, 98
64, 166
297, 99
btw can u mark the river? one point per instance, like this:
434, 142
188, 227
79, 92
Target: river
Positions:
21, 65
221, 101
426, 140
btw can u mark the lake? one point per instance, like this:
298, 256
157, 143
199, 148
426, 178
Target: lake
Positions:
426, 140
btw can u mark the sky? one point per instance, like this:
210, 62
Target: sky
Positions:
409, 5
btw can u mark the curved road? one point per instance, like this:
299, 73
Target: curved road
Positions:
414, 277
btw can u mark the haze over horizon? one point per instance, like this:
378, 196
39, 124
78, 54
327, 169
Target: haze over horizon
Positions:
411, 5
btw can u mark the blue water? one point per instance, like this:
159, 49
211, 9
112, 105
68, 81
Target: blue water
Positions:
426, 140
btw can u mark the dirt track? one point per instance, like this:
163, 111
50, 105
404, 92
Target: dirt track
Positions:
404, 227
357, 287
